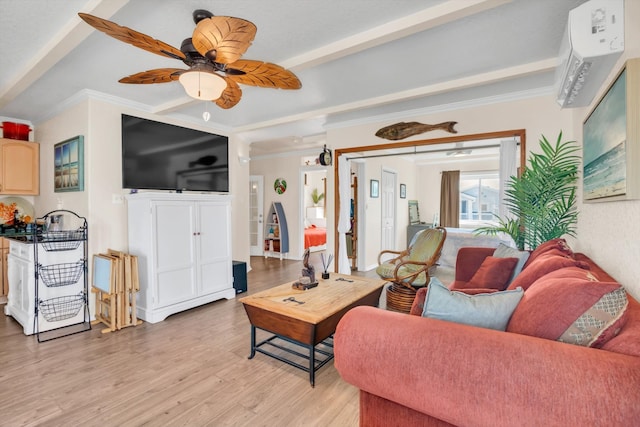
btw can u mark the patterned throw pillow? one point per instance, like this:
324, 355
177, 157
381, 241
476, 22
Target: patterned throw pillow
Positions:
567, 305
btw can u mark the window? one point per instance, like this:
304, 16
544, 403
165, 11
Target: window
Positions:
479, 196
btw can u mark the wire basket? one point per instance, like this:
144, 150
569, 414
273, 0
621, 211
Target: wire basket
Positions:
53, 241
56, 275
61, 308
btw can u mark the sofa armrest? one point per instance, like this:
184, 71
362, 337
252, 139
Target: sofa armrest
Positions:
468, 261
472, 376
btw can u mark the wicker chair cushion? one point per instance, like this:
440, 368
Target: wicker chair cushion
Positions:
386, 271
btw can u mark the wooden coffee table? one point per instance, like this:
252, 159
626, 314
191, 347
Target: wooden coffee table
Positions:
306, 319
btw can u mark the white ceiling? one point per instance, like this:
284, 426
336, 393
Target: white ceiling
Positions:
357, 59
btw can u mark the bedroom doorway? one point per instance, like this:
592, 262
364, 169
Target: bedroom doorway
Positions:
313, 216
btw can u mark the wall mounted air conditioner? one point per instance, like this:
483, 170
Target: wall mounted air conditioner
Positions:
593, 42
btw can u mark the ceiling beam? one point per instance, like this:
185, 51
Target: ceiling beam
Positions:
545, 65
68, 38
432, 17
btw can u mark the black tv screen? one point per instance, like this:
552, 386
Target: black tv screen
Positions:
160, 156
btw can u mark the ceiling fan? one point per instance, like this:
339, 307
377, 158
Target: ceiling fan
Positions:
212, 54
459, 150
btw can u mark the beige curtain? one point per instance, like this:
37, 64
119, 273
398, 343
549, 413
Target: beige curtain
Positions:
450, 199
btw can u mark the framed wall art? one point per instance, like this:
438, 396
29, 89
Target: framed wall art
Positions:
68, 158
611, 150
280, 185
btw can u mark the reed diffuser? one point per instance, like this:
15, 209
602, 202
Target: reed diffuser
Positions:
325, 265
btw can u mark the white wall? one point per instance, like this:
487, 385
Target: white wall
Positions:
287, 168
69, 124
608, 231
100, 124
548, 119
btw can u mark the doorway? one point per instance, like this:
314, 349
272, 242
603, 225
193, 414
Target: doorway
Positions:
444, 145
256, 215
313, 216
388, 205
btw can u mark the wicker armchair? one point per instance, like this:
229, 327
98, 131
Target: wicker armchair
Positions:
409, 269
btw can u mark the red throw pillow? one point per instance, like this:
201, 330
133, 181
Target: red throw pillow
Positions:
558, 244
568, 306
544, 264
494, 273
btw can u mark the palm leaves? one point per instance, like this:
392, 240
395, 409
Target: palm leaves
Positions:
542, 201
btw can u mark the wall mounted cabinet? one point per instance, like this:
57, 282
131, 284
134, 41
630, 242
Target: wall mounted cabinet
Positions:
19, 167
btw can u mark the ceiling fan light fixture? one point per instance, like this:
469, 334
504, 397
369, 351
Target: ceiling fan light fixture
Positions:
203, 85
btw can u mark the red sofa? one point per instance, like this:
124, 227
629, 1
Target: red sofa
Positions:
417, 371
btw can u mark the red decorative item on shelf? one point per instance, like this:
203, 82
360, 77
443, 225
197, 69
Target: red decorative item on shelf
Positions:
13, 130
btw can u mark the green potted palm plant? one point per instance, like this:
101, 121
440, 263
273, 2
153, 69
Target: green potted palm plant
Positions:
316, 197
542, 200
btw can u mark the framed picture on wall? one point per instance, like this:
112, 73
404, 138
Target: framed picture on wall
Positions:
375, 188
610, 140
68, 165
403, 191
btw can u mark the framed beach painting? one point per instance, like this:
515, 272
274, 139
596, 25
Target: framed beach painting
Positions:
611, 150
68, 159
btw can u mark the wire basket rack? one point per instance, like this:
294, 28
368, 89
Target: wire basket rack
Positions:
53, 241
61, 308
57, 275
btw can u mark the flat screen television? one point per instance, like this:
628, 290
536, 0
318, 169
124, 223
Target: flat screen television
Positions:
160, 156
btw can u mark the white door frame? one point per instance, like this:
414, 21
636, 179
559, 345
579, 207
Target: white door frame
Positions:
388, 198
258, 180
301, 212
361, 258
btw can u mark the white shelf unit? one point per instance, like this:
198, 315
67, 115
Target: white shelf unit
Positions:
183, 245
276, 232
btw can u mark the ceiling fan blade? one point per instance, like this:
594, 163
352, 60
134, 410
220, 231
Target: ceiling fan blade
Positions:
230, 96
132, 37
223, 39
263, 74
159, 75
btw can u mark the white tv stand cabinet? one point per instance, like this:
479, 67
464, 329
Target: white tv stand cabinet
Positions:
183, 244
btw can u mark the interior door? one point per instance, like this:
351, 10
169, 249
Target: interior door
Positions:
256, 215
388, 204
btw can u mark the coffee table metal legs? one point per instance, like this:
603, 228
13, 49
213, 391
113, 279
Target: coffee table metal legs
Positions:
324, 349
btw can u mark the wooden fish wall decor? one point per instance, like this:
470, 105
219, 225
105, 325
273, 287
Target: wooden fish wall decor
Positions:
404, 130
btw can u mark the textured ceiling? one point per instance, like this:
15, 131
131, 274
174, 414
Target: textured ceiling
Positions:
356, 59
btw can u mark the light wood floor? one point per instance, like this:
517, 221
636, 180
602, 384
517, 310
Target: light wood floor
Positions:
189, 370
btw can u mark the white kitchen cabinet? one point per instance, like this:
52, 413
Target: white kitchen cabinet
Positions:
183, 244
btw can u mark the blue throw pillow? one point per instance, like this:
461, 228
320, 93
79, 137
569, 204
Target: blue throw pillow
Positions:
492, 310
504, 251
